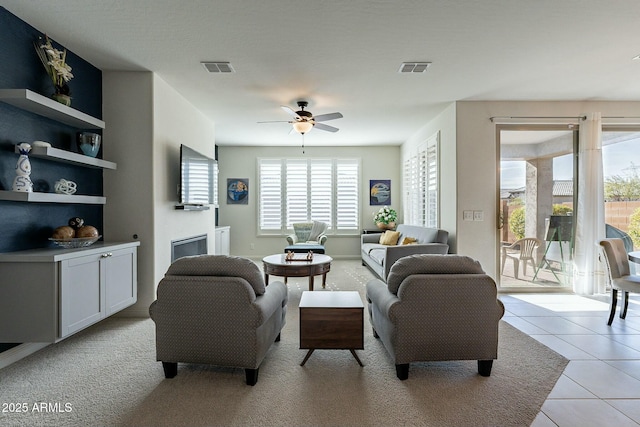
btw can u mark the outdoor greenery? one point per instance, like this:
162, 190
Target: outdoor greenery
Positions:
623, 188
634, 228
516, 218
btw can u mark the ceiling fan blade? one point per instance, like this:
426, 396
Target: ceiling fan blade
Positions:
290, 112
325, 117
328, 128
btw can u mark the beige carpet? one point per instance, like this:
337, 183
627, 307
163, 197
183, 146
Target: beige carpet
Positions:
107, 375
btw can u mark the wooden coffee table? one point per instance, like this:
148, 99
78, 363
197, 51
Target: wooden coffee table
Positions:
331, 321
276, 265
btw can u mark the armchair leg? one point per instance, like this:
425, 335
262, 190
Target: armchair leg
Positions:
623, 309
278, 338
614, 302
484, 367
402, 371
170, 369
375, 334
251, 375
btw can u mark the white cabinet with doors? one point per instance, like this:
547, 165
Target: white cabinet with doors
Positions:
48, 294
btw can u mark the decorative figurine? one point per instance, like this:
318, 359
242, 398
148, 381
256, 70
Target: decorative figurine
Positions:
22, 182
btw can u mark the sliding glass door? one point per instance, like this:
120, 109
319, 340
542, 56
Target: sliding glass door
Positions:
537, 187
621, 167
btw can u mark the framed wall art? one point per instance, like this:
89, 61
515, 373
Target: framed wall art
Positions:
379, 192
237, 191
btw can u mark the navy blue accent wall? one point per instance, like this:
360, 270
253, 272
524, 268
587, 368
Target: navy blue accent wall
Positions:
29, 225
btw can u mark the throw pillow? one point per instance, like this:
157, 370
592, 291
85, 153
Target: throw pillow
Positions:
391, 238
409, 241
382, 238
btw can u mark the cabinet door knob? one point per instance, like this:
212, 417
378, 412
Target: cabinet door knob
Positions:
107, 255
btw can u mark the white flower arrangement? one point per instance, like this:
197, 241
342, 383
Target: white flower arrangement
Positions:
55, 63
385, 215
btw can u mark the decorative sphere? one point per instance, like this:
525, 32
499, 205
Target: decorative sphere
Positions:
63, 233
87, 231
76, 222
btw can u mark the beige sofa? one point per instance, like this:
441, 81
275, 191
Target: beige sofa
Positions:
436, 307
379, 258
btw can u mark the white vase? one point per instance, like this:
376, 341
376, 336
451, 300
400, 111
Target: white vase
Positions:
22, 182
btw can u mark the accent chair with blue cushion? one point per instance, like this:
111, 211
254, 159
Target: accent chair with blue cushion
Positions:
308, 233
216, 309
435, 308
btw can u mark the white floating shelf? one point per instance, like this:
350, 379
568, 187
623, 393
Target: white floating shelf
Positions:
17, 196
68, 157
47, 107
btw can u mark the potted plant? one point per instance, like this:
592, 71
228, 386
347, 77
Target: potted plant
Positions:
386, 218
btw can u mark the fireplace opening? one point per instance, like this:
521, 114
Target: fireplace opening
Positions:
196, 245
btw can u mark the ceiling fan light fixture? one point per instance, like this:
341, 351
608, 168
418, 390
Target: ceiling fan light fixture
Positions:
302, 127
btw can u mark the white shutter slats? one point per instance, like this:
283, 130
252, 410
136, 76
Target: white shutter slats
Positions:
347, 196
321, 190
421, 180
270, 190
296, 183
300, 190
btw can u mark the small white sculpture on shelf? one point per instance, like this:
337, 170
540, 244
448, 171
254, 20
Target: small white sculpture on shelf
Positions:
22, 182
42, 144
63, 186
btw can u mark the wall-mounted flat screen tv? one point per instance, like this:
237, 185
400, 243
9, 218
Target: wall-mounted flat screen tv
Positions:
198, 178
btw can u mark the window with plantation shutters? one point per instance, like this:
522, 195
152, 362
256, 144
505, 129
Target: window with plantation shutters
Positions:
347, 201
300, 190
270, 195
421, 183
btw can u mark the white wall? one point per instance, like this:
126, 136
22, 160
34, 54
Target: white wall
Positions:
146, 121
477, 164
445, 123
380, 162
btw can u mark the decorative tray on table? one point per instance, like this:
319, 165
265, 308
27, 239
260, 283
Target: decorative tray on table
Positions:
293, 256
77, 242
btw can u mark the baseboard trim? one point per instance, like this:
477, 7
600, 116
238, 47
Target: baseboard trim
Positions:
20, 352
133, 312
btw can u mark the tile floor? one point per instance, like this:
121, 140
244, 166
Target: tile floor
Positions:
601, 384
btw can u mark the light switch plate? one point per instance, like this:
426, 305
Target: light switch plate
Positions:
478, 215
467, 215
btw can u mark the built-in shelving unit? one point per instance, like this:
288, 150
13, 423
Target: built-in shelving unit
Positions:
69, 157
43, 106
18, 196
46, 107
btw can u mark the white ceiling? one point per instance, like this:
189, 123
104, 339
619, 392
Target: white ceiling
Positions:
344, 56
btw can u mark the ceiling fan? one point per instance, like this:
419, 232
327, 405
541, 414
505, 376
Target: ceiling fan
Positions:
303, 121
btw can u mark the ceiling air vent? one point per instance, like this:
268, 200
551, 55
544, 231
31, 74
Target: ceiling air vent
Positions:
414, 67
218, 67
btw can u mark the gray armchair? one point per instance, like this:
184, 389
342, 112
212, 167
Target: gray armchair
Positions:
216, 309
436, 307
308, 232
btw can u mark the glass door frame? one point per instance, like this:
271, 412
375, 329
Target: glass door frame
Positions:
500, 225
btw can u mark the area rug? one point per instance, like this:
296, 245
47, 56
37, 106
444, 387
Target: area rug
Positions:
107, 375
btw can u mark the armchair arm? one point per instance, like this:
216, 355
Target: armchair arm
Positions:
274, 297
322, 238
292, 239
370, 238
394, 253
378, 294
